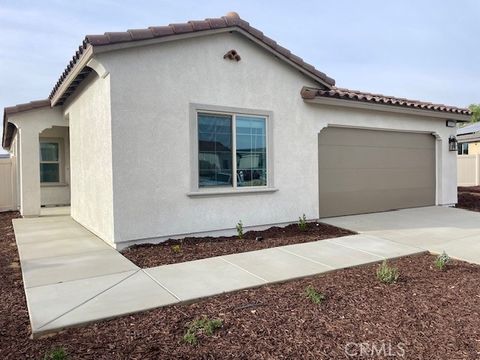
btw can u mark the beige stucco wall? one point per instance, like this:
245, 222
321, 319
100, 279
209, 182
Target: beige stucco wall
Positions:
151, 91
473, 148
88, 112
8, 194
58, 194
468, 171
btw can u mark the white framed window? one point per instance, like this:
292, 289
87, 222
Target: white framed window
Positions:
232, 149
50, 161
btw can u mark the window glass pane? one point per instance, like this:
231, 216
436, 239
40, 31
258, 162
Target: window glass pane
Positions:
251, 151
215, 150
48, 151
49, 173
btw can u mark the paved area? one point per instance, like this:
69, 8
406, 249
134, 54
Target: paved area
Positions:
435, 229
72, 277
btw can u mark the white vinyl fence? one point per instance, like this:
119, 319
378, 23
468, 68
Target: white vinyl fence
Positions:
8, 193
468, 170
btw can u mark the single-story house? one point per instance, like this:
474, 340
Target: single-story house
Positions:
468, 138
188, 128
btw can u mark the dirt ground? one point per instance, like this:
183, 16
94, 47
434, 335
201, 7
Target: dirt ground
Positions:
469, 198
187, 249
427, 314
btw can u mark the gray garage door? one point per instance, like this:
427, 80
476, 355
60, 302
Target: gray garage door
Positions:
363, 171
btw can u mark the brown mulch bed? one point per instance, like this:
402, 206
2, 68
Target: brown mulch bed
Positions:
469, 198
429, 313
194, 248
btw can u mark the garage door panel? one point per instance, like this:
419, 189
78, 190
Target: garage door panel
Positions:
372, 201
366, 171
338, 180
389, 139
353, 157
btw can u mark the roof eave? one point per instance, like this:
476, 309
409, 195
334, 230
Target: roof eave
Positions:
74, 72
98, 49
388, 108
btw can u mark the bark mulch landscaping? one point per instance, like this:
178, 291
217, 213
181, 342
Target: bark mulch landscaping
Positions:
469, 198
430, 314
194, 248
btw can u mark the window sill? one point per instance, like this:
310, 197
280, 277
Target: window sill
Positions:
201, 193
53, 184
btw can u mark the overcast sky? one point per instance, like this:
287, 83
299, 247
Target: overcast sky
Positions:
419, 49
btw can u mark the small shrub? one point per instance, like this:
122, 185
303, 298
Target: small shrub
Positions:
313, 295
176, 248
441, 261
387, 274
203, 326
302, 223
240, 229
58, 353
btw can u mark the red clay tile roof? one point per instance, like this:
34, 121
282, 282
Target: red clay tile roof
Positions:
8, 128
231, 20
355, 95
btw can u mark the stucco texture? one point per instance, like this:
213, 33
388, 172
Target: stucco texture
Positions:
91, 156
149, 158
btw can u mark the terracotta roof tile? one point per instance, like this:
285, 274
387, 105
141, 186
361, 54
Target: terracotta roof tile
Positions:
159, 31
217, 23
200, 25
232, 19
141, 34
182, 28
355, 95
117, 37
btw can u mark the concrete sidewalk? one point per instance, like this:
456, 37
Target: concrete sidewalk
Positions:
71, 277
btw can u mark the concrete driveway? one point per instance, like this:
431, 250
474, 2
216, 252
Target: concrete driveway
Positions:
434, 228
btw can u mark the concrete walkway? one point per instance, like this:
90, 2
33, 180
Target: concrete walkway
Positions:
71, 277
435, 229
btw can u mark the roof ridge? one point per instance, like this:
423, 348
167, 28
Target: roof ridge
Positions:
230, 20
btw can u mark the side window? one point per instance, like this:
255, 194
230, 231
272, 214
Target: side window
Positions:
49, 162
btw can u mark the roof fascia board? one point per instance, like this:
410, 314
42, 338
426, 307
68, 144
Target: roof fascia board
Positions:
147, 42
78, 67
388, 108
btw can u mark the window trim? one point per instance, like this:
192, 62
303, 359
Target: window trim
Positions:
61, 178
195, 189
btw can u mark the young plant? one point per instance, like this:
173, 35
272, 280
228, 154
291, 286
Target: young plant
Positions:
203, 326
441, 261
302, 223
58, 353
387, 274
313, 295
240, 229
176, 248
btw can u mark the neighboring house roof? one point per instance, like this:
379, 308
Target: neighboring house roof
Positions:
355, 95
469, 129
231, 21
8, 128
469, 133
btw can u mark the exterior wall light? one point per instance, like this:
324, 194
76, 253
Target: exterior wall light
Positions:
452, 143
451, 123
